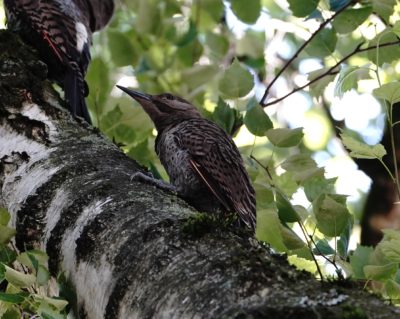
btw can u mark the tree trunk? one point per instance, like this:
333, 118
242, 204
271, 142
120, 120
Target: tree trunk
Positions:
130, 249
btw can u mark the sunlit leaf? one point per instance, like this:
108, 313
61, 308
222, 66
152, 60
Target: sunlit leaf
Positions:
317, 88
284, 137
384, 53
6, 233
247, 11
361, 150
350, 19
348, 79
19, 279
236, 81
302, 8
392, 289
256, 120
384, 8
4, 216
297, 162
323, 44
331, 213
359, 259
269, 228
318, 185
380, 272
389, 92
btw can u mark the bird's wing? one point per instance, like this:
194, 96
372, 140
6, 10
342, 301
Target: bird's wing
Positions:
218, 163
62, 25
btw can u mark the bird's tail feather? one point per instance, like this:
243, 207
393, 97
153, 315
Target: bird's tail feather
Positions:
75, 91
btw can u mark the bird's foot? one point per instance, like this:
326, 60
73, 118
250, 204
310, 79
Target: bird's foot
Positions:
149, 179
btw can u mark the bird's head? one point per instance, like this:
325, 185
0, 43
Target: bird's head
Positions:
164, 109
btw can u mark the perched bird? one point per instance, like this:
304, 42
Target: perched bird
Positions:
202, 161
61, 31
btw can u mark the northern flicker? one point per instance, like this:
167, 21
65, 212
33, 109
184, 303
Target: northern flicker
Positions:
61, 31
201, 159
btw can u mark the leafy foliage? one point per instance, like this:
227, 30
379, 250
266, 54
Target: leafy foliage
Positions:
25, 281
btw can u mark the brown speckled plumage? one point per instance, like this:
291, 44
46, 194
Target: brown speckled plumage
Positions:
202, 161
61, 31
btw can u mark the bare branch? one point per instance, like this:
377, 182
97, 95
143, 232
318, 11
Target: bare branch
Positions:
289, 62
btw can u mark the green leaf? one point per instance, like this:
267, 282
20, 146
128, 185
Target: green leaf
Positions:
317, 88
359, 259
290, 239
344, 240
386, 54
286, 212
323, 248
348, 79
269, 228
33, 258
302, 8
148, 16
362, 150
225, 116
236, 81
4, 216
323, 44
98, 78
252, 44
247, 11
384, 272
13, 298
42, 276
122, 51
396, 28
256, 120
306, 174
331, 213
218, 45
7, 255
384, 8
19, 279
111, 119
264, 197
350, 19
6, 233
390, 246
318, 185
286, 182
389, 92
11, 313
284, 137
297, 162
392, 289
58, 304
199, 75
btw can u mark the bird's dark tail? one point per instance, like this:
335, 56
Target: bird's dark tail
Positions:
75, 91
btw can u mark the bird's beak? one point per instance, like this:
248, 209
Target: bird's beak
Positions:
138, 96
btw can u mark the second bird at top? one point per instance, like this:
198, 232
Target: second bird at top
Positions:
201, 159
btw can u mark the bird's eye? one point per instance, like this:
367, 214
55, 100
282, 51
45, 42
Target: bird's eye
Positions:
168, 96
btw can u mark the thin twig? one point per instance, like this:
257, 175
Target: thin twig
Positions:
299, 50
331, 70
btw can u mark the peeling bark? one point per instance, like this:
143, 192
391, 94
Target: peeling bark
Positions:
131, 250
